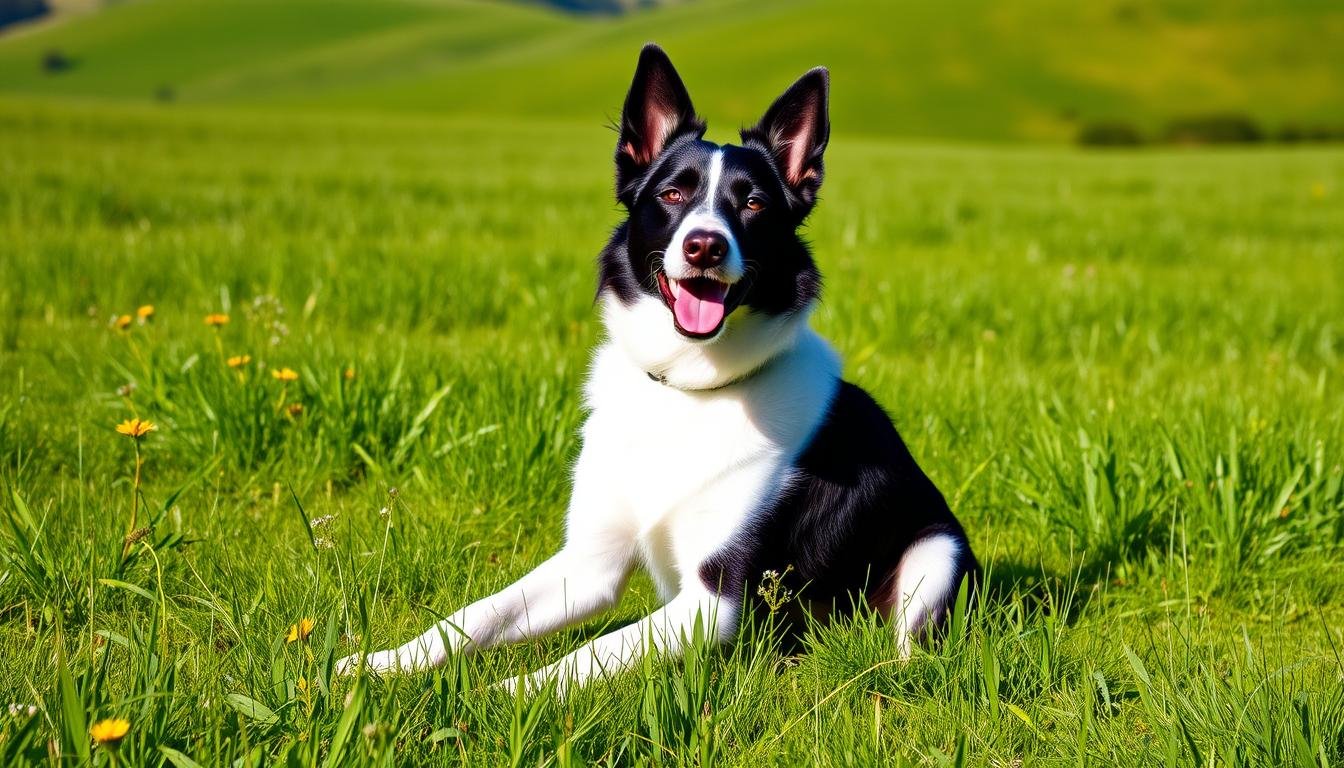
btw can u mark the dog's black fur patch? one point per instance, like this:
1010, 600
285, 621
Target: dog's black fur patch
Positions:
855, 503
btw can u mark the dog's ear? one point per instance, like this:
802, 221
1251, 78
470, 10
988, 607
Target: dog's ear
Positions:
657, 110
794, 132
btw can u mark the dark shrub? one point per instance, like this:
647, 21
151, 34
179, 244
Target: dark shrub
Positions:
1304, 133
1109, 133
1219, 128
22, 10
1291, 133
1322, 132
610, 7
55, 61
1127, 13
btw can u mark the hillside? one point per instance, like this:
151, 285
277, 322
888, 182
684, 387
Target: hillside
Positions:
968, 69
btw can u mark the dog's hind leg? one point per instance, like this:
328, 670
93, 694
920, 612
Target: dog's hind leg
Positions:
926, 584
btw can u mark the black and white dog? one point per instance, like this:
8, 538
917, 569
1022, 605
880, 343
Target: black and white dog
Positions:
721, 443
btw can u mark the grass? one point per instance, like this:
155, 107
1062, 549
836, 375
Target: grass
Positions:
971, 69
1122, 369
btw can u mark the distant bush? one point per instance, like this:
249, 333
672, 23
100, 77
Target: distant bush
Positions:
22, 10
1295, 133
1109, 133
1290, 134
611, 7
55, 60
1127, 13
1218, 128
165, 93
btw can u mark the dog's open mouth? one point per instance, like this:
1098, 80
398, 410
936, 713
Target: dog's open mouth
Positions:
699, 304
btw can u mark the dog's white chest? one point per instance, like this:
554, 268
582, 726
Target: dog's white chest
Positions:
667, 450
682, 471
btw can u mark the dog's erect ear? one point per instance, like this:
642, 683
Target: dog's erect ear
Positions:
657, 110
795, 130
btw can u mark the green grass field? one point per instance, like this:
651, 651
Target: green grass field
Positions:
1123, 369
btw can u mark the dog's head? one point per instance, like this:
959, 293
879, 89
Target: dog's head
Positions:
709, 268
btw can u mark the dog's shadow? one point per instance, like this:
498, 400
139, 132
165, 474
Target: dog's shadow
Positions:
1001, 583
1039, 588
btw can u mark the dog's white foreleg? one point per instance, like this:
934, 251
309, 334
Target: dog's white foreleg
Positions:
585, 577
669, 629
566, 589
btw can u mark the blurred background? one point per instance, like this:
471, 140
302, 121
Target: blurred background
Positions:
1104, 73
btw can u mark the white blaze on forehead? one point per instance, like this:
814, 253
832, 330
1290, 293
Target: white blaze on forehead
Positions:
715, 173
705, 217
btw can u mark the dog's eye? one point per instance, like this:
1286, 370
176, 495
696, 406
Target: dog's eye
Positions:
755, 203
670, 196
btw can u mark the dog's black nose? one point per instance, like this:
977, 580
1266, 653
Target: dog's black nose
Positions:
704, 249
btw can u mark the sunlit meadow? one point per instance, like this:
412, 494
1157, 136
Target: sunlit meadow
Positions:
275, 389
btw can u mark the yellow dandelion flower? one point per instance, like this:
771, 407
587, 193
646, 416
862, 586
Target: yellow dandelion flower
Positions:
217, 319
295, 409
349, 374
122, 322
136, 428
238, 361
299, 632
145, 312
110, 730
285, 374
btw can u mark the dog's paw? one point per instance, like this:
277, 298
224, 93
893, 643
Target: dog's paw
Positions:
380, 663
348, 665
509, 685
526, 685
536, 683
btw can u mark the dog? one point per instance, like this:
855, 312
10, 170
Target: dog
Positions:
722, 446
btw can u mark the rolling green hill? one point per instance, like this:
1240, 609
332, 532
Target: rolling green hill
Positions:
969, 69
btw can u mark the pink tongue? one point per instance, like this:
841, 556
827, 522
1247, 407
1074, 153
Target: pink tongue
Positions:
698, 304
